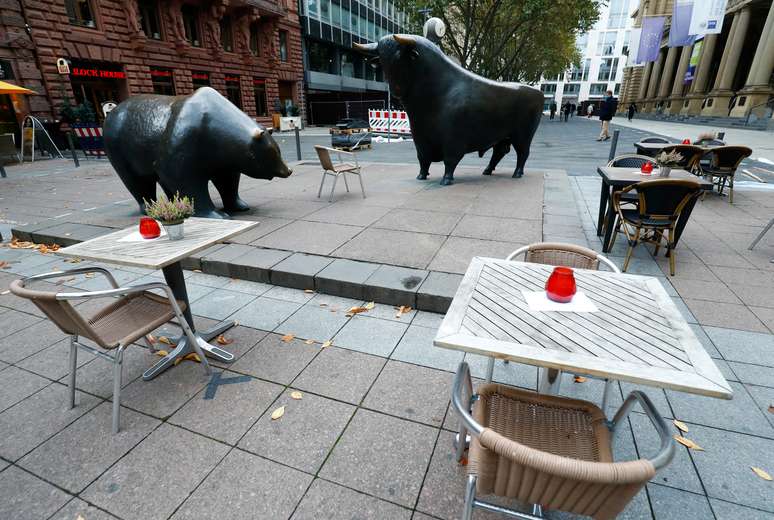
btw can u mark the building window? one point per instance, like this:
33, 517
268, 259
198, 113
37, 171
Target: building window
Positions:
191, 25
200, 79
80, 13
162, 81
259, 90
311, 6
149, 18
548, 88
571, 88
348, 64
597, 89
233, 90
325, 10
617, 14
255, 46
606, 43
617, 89
283, 38
607, 69
321, 57
626, 41
226, 35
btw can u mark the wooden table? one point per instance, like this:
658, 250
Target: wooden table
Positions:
637, 334
615, 179
123, 248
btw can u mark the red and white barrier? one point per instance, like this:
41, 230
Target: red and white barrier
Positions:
91, 140
386, 121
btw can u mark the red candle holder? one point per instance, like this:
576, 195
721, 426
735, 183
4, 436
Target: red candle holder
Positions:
560, 286
149, 228
686, 141
647, 168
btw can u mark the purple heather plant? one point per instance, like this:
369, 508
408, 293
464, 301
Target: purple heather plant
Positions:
170, 211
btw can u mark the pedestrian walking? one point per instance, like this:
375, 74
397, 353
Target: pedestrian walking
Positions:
552, 110
589, 111
566, 109
606, 110
632, 111
572, 110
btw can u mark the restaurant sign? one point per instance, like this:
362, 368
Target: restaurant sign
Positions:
97, 73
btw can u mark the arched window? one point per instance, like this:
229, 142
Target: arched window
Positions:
80, 13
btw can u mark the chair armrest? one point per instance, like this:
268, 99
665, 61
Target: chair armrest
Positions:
605, 260
519, 251
667, 449
460, 401
76, 270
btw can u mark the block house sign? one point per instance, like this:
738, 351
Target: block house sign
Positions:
97, 73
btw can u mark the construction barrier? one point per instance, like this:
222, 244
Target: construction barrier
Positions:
384, 121
90, 138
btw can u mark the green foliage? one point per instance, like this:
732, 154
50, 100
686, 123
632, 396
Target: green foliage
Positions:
294, 111
83, 113
510, 40
170, 211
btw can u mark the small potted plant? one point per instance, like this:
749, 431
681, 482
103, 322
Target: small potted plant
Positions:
290, 118
667, 161
171, 213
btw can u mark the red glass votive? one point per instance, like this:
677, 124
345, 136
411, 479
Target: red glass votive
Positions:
560, 286
149, 228
686, 141
647, 168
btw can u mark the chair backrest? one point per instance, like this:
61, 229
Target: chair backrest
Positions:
325, 157
561, 254
691, 154
664, 199
631, 160
654, 139
61, 312
728, 157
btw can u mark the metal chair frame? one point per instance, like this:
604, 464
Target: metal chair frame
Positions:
330, 168
463, 399
117, 358
725, 175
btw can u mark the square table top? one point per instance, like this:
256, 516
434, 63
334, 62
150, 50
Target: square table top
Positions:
200, 233
637, 334
624, 176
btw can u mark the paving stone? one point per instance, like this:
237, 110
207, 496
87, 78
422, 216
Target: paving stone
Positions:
289, 294
764, 397
402, 248
245, 286
334, 365
309, 322
167, 392
38, 417
228, 414
77, 455
744, 346
667, 501
265, 226
427, 319
354, 213
727, 511
67, 234
753, 374
208, 280
303, 436
255, 265
298, 270
382, 456
220, 303
499, 229
194, 261
766, 315
96, 377
18, 384
280, 208
265, 313
218, 260
17, 487
706, 342
656, 395
419, 221
386, 311
417, 347
77, 507
412, 392
457, 252
370, 335
318, 238
344, 278
53, 362
243, 340
394, 285
728, 315
328, 501
131, 488
514, 374
276, 360
755, 296
437, 291
724, 467
703, 290
19, 331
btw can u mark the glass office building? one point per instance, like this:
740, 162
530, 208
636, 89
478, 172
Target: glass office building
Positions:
340, 82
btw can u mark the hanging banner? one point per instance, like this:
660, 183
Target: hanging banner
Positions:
634, 46
693, 63
650, 38
707, 17
680, 31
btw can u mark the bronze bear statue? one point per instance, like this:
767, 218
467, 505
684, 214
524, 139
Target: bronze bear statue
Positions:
183, 143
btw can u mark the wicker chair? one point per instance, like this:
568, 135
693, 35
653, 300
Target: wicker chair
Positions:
720, 165
135, 313
557, 253
553, 452
654, 139
691, 155
630, 160
337, 169
661, 203
709, 141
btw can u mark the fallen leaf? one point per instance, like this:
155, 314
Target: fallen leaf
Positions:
681, 425
90, 275
150, 338
761, 473
323, 305
74, 260
309, 341
297, 395
279, 412
309, 291
579, 379
369, 306
79, 517
162, 353
193, 356
403, 309
4, 264
355, 310
223, 340
327, 344
287, 338
5, 292
20, 244
165, 340
688, 443
771, 408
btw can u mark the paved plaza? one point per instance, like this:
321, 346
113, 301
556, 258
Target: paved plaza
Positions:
371, 436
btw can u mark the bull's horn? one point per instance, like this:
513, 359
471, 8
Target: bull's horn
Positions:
405, 39
257, 133
368, 48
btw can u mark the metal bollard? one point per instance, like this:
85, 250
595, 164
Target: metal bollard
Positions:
71, 146
613, 144
298, 143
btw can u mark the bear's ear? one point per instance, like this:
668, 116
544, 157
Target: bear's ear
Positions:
257, 133
271, 131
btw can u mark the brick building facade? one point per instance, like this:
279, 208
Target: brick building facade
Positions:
249, 50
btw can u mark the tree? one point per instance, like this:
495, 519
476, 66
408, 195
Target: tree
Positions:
510, 40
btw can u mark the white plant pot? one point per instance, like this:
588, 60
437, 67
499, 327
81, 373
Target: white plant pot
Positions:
175, 231
664, 171
289, 123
